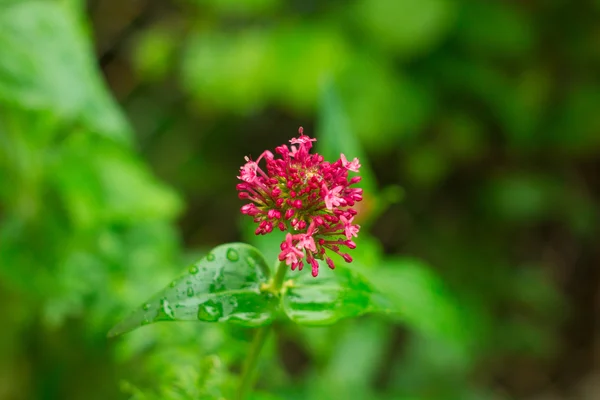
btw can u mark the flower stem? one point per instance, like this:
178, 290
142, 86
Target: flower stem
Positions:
260, 337
248, 373
279, 276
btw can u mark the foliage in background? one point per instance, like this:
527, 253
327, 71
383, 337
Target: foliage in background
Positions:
84, 222
483, 111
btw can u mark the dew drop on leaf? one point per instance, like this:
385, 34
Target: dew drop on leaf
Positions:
193, 270
210, 257
232, 255
190, 292
210, 311
173, 284
218, 282
145, 322
146, 307
165, 311
251, 261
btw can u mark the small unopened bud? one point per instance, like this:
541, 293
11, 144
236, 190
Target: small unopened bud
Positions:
274, 214
329, 262
268, 227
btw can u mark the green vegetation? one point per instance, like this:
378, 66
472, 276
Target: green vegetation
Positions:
122, 129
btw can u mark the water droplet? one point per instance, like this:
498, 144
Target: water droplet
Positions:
193, 270
211, 311
190, 292
210, 257
165, 311
146, 307
251, 261
145, 322
173, 284
233, 302
218, 281
232, 255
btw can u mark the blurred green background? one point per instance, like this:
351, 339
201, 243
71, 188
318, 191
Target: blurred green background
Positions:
122, 128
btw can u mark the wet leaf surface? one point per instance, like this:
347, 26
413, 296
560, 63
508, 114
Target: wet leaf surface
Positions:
332, 296
224, 286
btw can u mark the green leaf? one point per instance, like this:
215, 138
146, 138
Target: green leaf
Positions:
410, 28
130, 191
52, 67
429, 308
224, 286
495, 28
332, 296
354, 361
335, 134
241, 7
100, 181
153, 55
210, 69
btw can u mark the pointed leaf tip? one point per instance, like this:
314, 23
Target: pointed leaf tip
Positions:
224, 286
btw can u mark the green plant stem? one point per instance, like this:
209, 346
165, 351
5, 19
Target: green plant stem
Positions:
279, 276
250, 365
259, 339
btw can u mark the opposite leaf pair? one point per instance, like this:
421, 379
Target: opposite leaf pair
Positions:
232, 283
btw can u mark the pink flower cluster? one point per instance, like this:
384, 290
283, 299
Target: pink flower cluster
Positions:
306, 196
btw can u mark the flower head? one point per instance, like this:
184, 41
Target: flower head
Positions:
308, 197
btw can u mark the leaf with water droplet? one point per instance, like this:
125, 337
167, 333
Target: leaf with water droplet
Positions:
332, 296
251, 261
165, 311
232, 254
222, 287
